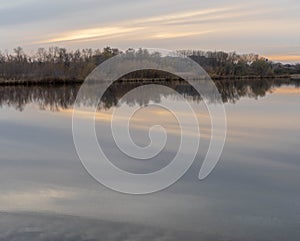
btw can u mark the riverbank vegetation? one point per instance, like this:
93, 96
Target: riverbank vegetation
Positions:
58, 65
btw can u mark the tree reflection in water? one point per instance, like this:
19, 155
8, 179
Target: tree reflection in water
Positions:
57, 97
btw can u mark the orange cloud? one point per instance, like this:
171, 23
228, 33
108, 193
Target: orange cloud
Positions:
285, 58
91, 33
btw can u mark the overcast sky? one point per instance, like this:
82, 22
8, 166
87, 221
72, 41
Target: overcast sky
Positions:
269, 27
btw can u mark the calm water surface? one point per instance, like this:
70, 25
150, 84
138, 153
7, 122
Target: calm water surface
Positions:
253, 194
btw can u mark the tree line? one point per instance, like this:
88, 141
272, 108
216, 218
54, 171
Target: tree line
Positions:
222, 64
52, 64
58, 64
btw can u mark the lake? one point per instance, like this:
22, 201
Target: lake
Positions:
252, 194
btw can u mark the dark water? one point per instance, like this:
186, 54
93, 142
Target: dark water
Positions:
253, 194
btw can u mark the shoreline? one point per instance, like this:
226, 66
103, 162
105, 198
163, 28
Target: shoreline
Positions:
41, 82
51, 81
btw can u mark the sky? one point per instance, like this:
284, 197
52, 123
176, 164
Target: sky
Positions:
268, 27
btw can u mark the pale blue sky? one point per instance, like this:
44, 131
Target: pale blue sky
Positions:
269, 27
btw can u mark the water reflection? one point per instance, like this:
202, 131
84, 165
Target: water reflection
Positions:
59, 97
253, 194
30, 226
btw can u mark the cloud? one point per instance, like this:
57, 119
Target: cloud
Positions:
150, 28
180, 15
285, 58
177, 25
179, 35
92, 34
